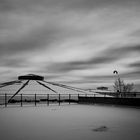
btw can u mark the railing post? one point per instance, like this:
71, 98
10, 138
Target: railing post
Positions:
21, 99
48, 99
69, 98
59, 99
78, 95
135, 94
5, 100
35, 99
94, 101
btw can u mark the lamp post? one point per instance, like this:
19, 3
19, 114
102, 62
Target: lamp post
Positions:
118, 79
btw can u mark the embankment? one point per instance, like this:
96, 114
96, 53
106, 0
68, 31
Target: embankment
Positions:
113, 101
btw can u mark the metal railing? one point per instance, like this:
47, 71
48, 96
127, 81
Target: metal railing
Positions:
121, 94
37, 99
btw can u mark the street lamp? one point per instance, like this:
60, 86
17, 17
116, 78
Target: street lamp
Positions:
118, 79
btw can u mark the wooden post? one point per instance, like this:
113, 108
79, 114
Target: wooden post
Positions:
48, 99
21, 99
59, 99
5, 100
35, 99
69, 98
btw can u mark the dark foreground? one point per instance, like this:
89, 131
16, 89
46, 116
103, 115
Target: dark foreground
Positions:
109, 100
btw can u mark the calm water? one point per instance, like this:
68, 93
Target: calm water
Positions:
69, 122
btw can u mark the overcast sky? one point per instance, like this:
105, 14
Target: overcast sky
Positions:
78, 42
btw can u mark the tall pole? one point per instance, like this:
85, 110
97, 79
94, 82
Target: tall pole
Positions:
118, 79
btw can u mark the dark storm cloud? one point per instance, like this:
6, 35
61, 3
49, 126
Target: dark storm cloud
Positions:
107, 56
135, 65
66, 30
133, 75
42, 36
64, 67
37, 39
135, 33
136, 70
5, 5
14, 62
100, 77
86, 81
126, 49
29, 5
113, 54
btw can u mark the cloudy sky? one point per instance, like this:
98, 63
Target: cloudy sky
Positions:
75, 42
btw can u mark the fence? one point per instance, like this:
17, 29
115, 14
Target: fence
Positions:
36, 99
121, 94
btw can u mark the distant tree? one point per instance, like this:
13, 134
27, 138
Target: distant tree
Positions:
128, 87
122, 88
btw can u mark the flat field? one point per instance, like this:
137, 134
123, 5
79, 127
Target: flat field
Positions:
69, 122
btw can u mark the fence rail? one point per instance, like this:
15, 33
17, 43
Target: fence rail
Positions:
36, 99
28, 99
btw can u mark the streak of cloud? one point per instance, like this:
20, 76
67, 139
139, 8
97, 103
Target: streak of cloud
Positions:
71, 41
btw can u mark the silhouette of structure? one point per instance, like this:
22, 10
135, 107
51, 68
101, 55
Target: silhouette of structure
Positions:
23, 82
102, 88
31, 77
